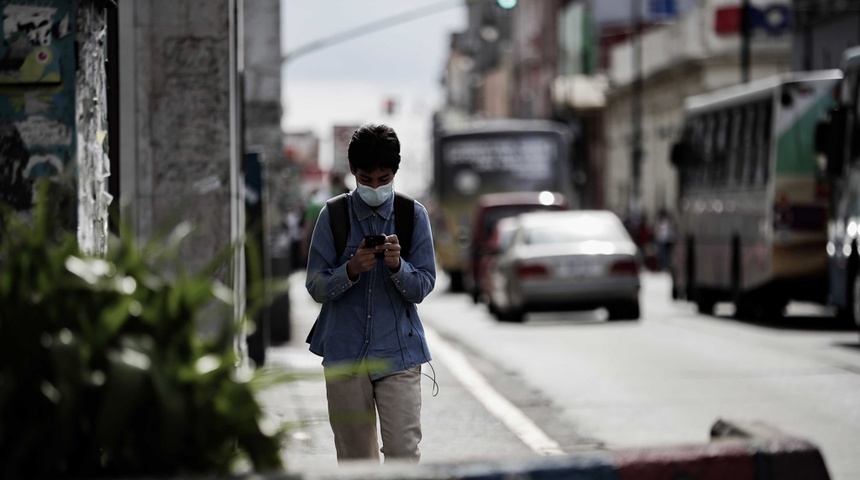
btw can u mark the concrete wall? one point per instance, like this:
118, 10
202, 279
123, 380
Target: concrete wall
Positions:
179, 120
262, 101
93, 164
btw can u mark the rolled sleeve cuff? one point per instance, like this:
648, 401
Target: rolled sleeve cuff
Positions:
340, 282
401, 276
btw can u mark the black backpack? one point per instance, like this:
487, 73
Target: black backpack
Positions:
404, 221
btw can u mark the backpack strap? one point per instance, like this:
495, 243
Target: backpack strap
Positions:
338, 217
404, 221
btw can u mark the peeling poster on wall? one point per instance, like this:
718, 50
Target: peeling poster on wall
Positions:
37, 94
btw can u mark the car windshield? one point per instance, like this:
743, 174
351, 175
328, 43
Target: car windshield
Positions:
588, 228
495, 214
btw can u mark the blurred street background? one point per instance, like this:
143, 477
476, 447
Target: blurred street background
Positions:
590, 385
722, 133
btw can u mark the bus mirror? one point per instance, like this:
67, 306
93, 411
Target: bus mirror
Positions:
786, 99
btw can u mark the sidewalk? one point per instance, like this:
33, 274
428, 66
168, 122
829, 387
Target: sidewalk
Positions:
456, 426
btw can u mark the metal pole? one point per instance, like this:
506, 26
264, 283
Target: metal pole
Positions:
745, 41
636, 115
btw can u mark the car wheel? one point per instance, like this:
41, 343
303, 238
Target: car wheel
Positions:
513, 315
492, 308
624, 311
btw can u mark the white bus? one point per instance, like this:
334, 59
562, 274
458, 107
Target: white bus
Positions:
838, 139
753, 201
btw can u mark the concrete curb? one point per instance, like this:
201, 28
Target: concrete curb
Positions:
737, 452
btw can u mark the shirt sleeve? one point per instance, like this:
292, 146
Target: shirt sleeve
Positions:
326, 278
417, 277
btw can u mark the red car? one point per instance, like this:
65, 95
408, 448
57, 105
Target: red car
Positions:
491, 208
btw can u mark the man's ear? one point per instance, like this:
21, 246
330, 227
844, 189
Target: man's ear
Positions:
351, 168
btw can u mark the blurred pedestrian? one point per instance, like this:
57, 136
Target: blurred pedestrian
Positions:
338, 184
664, 237
368, 332
293, 222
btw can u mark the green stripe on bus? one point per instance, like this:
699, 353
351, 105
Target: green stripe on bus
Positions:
795, 148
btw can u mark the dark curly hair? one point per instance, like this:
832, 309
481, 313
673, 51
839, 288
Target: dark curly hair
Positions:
374, 146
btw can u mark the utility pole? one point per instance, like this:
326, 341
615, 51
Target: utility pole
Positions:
636, 153
745, 41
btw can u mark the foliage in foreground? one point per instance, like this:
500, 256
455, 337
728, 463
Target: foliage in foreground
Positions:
103, 368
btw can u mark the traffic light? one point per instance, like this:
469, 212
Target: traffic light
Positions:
507, 4
390, 106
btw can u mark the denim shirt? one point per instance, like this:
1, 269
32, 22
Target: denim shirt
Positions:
374, 317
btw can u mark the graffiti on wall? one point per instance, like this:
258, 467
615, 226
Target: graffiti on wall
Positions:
37, 95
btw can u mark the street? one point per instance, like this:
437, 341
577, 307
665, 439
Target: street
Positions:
568, 382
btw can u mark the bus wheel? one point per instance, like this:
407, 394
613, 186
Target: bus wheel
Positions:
752, 307
476, 295
737, 275
746, 309
676, 295
773, 309
705, 302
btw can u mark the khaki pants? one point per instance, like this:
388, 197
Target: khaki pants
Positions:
353, 403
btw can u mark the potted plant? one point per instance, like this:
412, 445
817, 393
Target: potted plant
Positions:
104, 368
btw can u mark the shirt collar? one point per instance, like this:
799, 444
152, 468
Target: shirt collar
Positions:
364, 211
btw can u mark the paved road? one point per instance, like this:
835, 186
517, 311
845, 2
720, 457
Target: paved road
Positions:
665, 379
573, 382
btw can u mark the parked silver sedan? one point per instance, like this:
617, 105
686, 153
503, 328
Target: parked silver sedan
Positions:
567, 260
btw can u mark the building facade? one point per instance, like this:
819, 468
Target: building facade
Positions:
698, 52
617, 75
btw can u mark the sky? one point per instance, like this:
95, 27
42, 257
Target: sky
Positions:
348, 83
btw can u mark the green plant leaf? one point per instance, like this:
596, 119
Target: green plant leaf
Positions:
124, 365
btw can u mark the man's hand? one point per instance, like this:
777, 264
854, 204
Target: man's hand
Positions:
363, 261
392, 253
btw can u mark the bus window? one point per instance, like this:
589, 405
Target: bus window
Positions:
763, 138
748, 145
700, 170
854, 146
760, 149
736, 148
708, 151
721, 153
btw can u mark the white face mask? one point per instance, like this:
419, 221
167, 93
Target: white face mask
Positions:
375, 196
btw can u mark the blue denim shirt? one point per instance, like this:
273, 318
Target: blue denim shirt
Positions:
373, 318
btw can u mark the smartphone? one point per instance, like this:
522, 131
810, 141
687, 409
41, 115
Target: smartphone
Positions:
371, 241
